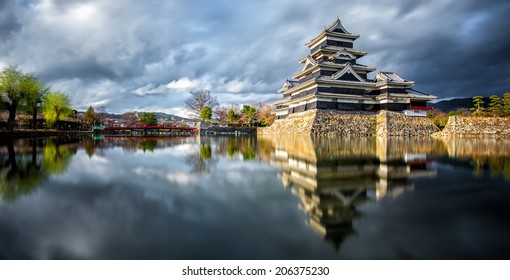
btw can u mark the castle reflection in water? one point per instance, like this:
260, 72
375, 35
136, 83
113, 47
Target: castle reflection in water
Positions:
333, 177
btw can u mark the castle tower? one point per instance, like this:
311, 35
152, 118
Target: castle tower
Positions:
331, 78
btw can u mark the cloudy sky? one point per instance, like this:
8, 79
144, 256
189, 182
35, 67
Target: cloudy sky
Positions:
147, 55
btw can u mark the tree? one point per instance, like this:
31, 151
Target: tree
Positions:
206, 113
149, 118
198, 100
10, 93
265, 115
478, 105
129, 118
56, 106
495, 106
439, 118
506, 103
101, 114
232, 116
34, 92
221, 113
90, 115
247, 114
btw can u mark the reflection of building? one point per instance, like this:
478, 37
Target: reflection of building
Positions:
332, 185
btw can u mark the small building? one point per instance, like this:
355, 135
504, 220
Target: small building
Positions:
331, 78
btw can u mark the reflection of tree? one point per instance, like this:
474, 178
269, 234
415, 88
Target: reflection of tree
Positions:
203, 160
19, 173
205, 151
89, 146
56, 157
148, 145
496, 165
244, 146
482, 153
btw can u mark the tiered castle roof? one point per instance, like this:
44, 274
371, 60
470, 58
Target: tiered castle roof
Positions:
331, 70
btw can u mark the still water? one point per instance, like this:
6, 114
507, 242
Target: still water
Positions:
254, 198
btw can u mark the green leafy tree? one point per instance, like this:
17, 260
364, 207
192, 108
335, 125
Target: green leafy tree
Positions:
232, 116
478, 103
90, 115
506, 103
10, 92
56, 106
206, 113
495, 106
248, 113
149, 118
34, 92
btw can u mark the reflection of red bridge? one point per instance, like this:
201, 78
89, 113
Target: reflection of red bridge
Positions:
149, 128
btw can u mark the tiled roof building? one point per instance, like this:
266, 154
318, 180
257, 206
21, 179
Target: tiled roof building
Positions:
331, 78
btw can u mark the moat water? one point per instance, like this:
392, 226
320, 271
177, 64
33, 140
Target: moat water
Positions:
254, 198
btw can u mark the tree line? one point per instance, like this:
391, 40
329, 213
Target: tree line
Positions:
26, 93
497, 107
202, 104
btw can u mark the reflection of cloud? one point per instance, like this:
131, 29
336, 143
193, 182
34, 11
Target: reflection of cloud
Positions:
182, 178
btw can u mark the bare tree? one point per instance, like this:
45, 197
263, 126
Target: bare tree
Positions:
129, 119
222, 113
199, 99
101, 114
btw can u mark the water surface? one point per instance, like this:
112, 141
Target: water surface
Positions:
254, 198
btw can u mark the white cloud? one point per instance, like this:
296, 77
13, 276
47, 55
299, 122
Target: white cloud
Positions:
185, 84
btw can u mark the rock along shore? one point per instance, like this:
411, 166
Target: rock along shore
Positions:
357, 123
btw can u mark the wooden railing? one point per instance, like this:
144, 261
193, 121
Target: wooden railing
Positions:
422, 108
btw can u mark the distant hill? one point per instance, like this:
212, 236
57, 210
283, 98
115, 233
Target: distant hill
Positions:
159, 115
455, 104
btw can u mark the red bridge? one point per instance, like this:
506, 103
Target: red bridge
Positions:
148, 129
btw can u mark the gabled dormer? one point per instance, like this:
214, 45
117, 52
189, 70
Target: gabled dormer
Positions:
391, 78
288, 85
347, 74
308, 62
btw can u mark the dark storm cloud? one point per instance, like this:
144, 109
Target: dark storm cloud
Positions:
8, 20
151, 53
461, 53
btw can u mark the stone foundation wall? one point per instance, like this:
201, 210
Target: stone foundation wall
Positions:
299, 123
473, 127
397, 124
356, 123
333, 122
216, 130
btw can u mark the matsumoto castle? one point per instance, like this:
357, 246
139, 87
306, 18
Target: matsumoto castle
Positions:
332, 79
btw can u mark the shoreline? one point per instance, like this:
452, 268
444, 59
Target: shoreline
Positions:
16, 134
